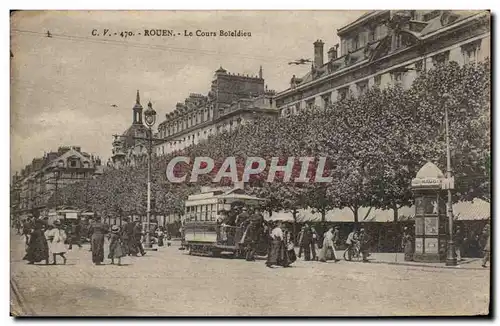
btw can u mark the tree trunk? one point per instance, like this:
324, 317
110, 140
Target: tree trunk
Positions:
323, 215
395, 212
355, 212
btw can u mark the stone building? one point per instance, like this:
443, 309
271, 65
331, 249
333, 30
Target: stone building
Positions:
233, 100
32, 188
128, 150
387, 47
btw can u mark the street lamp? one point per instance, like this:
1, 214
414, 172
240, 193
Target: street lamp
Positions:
149, 119
451, 258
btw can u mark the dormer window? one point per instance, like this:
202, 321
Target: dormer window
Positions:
362, 87
343, 93
309, 104
441, 58
470, 52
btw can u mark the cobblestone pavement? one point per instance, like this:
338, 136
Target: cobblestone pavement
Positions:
171, 283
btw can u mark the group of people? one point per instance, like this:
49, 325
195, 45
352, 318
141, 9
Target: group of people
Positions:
44, 239
479, 244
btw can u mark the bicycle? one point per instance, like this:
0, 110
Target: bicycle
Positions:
352, 252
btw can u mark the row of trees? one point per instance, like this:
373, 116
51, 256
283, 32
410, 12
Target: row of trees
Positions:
374, 145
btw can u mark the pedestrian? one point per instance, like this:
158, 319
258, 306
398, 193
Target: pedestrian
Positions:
38, 248
115, 245
160, 234
352, 243
487, 246
277, 251
76, 234
458, 239
128, 236
327, 252
253, 234
98, 230
28, 227
307, 242
137, 235
407, 244
364, 244
314, 243
56, 237
290, 246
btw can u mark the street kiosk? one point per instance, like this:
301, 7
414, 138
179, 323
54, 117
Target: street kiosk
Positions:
431, 231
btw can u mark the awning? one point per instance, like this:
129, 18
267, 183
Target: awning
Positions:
477, 209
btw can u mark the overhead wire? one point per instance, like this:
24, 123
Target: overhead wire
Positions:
147, 46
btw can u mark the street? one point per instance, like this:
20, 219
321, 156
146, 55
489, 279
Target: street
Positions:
169, 282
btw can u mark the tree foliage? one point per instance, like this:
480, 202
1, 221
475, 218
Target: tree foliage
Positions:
374, 145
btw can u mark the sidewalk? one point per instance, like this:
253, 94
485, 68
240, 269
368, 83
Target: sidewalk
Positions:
398, 259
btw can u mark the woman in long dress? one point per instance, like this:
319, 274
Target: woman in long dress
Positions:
277, 253
38, 248
327, 252
56, 237
408, 244
98, 231
116, 245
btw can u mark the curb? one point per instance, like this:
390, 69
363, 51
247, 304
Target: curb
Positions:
431, 266
23, 310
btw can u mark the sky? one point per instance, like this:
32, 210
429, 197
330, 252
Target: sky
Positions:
64, 88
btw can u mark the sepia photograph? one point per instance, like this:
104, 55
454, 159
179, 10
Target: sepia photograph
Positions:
250, 163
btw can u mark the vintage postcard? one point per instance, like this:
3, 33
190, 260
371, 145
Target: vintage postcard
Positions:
250, 163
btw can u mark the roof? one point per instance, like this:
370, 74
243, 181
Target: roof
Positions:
429, 170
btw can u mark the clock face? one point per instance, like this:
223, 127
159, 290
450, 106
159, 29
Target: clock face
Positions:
149, 120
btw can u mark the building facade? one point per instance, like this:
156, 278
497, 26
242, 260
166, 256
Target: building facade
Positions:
233, 100
384, 48
131, 147
32, 188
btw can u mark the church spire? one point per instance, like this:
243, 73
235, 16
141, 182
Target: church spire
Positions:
260, 72
137, 110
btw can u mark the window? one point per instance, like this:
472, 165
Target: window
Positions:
372, 34
327, 100
355, 42
441, 58
343, 93
471, 52
362, 87
309, 104
343, 47
72, 163
419, 66
397, 77
377, 80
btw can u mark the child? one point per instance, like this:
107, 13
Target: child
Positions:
115, 245
56, 238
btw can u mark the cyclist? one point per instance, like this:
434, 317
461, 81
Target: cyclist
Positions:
352, 242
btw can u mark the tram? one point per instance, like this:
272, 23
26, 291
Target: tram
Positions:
203, 230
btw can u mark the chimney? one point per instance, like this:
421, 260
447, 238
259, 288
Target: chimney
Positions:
332, 53
318, 53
